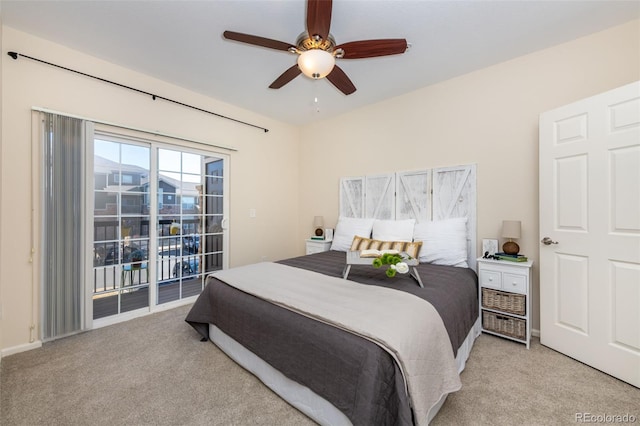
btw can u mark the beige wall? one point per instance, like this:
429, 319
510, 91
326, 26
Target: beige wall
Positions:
488, 117
264, 173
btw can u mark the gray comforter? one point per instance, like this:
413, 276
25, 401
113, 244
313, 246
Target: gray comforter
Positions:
354, 374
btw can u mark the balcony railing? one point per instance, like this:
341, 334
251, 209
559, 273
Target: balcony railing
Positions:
120, 264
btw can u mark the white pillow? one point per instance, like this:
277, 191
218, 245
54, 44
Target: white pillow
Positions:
444, 242
347, 228
393, 230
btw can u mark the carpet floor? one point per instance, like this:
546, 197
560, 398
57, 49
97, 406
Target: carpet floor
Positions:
155, 371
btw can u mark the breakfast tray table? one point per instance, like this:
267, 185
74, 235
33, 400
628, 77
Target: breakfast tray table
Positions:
353, 258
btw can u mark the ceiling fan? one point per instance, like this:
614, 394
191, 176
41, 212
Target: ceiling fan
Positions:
317, 50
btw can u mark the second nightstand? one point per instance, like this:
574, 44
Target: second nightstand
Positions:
505, 298
316, 246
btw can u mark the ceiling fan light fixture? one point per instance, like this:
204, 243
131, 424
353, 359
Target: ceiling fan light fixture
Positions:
316, 63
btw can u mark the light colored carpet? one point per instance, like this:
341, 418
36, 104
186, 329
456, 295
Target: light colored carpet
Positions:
155, 371
506, 384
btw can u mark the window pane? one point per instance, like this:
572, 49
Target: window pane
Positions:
213, 224
135, 159
135, 227
214, 205
105, 203
168, 160
214, 186
100, 181
213, 262
214, 167
105, 253
105, 150
106, 228
192, 163
135, 203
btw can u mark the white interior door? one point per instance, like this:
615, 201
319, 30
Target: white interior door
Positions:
590, 221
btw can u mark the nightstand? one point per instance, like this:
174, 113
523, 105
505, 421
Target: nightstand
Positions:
317, 246
505, 298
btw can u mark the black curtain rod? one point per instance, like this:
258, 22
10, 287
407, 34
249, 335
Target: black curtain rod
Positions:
15, 55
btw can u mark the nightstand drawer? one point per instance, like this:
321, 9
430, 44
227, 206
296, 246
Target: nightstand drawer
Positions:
512, 303
311, 249
491, 279
317, 246
514, 283
505, 325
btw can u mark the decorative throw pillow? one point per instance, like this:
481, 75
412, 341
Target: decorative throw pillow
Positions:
346, 229
393, 230
409, 247
444, 241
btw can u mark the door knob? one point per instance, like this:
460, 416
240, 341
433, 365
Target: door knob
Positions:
546, 241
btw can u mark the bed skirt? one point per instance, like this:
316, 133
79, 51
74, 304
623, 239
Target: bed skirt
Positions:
301, 397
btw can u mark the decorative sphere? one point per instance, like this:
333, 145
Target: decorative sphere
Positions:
510, 247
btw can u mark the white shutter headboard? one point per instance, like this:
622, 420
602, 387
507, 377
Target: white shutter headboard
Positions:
430, 194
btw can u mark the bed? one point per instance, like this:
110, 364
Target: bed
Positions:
368, 349
328, 373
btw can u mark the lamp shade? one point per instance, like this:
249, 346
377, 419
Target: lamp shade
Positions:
316, 63
511, 229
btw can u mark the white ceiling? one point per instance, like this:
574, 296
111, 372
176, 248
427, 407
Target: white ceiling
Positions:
181, 42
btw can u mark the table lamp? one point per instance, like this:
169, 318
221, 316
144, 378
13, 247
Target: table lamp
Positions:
318, 224
511, 230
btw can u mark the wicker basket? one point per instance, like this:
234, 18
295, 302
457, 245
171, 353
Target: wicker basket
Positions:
506, 302
504, 324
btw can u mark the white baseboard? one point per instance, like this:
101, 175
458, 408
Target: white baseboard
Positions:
103, 323
21, 348
535, 333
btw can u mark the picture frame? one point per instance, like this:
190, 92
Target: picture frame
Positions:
489, 245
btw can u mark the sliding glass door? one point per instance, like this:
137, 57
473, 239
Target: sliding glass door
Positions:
190, 214
121, 218
157, 224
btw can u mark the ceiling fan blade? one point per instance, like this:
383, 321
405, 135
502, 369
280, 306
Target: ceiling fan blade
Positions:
257, 40
339, 79
373, 48
319, 18
286, 77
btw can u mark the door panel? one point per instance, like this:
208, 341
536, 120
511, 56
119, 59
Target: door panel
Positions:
572, 292
352, 197
454, 195
571, 193
625, 279
590, 206
413, 199
380, 197
453, 192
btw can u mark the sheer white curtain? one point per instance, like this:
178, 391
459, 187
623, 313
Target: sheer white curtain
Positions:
63, 178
